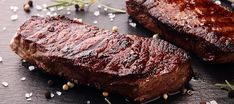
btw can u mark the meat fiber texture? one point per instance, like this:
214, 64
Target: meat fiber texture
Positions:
199, 26
136, 67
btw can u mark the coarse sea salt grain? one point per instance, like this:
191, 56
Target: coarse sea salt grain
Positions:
218, 2
48, 13
29, 99
38, 7
52, 9
5, 84
14, 17
0, 59
58, 93
23, 78
213, 102
95, 22
68, 12
28, 95
99, 6
14, 8
96, 13
105, 9
132, 24
44, 5
52, 95
4, 28
31, 68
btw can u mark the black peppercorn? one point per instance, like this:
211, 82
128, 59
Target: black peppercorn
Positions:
231, 94
30, 3
48, 95
26, 8
50, 82
77, 7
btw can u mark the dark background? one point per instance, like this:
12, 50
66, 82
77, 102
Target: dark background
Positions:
12, 68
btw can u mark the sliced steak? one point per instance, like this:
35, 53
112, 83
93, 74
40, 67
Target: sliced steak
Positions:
136, 67
200, 26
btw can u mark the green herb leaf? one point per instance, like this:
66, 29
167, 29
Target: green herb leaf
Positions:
82, 3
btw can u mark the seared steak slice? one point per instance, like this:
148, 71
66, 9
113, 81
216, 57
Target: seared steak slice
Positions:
136, 67
200, 26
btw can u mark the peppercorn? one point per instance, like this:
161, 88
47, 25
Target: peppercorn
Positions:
50, 82
114, 28
65, 87
70, 84
165, 96
105, 94
48, 95
231, 94
77, 7
30, 3
26, 8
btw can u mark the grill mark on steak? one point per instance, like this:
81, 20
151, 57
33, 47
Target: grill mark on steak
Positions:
130, 65
204, 26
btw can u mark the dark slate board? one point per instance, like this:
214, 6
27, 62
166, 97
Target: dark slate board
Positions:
12, 68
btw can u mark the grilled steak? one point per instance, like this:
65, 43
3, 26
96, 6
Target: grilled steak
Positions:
137, 67
200, 26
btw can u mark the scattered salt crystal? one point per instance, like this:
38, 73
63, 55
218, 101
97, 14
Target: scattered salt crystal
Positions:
0, 59
213, 102
5, 84
95, 22
4, 28
111, 19
80, 20
29, 99
44, 5
88, 102
155, 36
111, 15
68, 12
38, 7
96, 13
23, 60
52, 9
15, 9
76, 19
31, 68
218, 2
99, 6
52, 95
86, 5
54, 14
105, 9
28, 95
58, 93
48, 13
12, 7
23, 78
14, 17
132, 24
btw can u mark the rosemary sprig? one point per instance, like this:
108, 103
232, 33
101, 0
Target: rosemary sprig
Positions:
227, 85
82, 3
